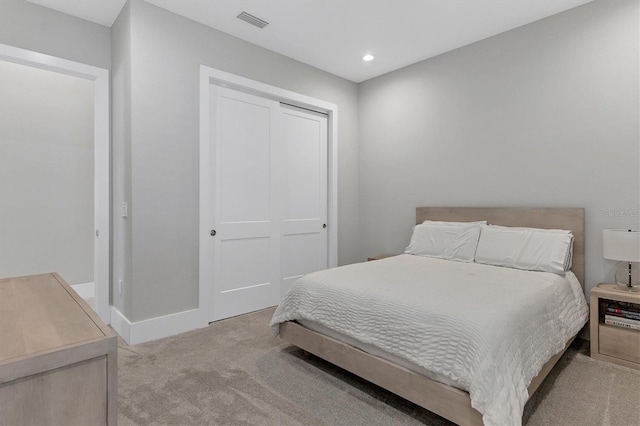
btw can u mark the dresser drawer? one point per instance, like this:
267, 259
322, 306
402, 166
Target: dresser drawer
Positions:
74, 394
619, 342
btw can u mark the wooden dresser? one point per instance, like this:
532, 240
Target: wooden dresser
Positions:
58, 361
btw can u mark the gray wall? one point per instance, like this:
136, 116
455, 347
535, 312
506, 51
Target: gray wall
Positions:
166, 52
121, 159
46, 173
37, 28
543, 115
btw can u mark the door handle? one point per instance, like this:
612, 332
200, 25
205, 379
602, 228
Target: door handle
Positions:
213, 233
324, 225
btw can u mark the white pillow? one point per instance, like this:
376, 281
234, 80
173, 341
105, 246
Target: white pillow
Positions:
568, 260
559, 231
445, 241
532, 249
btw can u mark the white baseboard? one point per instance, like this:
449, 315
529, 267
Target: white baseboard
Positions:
120, 324
85, 290
155, 328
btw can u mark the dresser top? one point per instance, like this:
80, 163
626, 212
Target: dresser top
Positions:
40, 313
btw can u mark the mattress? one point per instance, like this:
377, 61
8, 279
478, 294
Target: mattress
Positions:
486, 329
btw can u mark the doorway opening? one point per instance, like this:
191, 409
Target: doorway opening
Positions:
54, 178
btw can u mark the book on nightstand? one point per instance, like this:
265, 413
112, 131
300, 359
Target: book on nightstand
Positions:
622, 322
624, 312
623, 315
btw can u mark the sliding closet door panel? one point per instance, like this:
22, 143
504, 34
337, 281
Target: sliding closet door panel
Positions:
241, 230
300, 256
235, 257
304, 233
246, 266
244, 159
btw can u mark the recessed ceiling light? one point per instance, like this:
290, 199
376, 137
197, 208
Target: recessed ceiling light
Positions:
367, 58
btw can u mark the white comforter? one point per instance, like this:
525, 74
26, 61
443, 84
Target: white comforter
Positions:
489, 329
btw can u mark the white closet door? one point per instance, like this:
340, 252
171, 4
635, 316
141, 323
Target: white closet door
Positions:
247, 232
304, 221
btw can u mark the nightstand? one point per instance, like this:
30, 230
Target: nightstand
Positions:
611, 343
380, 256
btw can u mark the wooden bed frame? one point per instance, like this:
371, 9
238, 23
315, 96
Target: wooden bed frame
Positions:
446, 401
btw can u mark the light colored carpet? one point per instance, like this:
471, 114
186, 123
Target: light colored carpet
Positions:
235, 372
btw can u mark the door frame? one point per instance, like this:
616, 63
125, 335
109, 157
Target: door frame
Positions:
209, 76
102, 151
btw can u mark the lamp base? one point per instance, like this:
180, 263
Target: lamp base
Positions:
623, 274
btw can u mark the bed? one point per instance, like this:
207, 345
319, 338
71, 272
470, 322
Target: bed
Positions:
452, 383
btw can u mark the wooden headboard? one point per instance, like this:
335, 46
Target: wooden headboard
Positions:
546, 218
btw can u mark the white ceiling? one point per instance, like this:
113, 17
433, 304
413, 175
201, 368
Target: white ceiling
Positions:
333, 35
103, 12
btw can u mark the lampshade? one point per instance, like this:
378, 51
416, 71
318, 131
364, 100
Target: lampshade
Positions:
621, 244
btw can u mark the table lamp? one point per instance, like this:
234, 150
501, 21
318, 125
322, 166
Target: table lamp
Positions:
624, 245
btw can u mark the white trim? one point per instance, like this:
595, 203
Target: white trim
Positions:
120, 324
205, 273
155, 328
225, 79
332, 177
210, 76
85, 290
100, 77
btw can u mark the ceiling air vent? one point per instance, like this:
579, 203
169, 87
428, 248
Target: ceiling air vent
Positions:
253, 20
